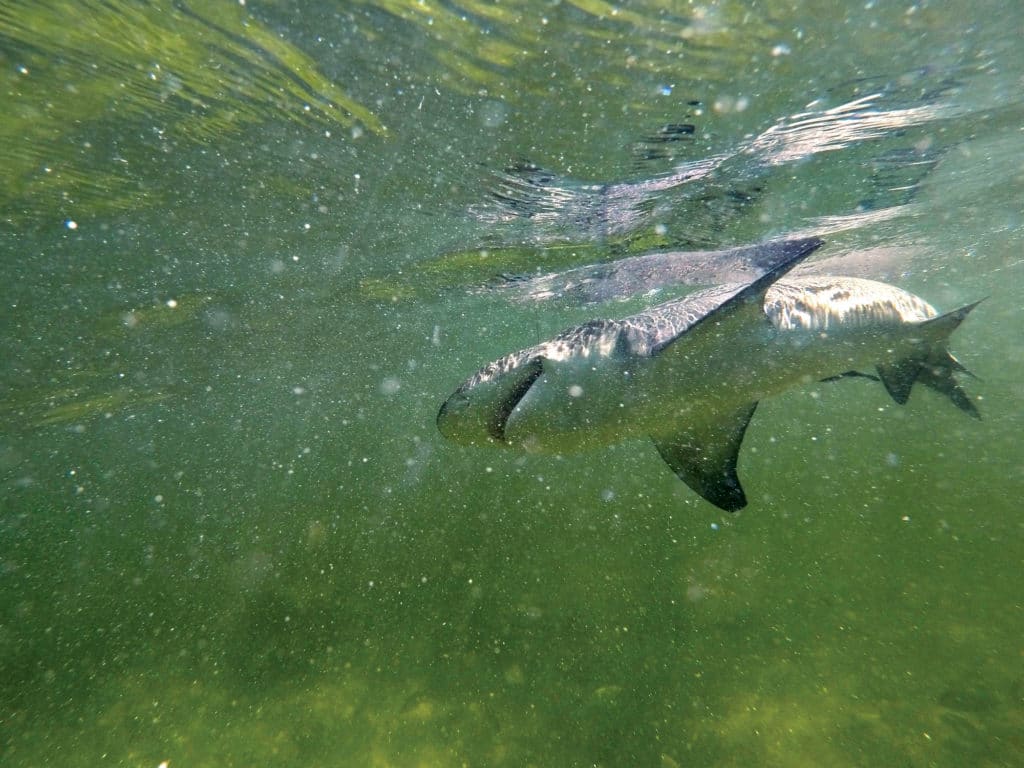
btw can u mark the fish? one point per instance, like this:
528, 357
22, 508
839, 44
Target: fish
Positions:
689, 373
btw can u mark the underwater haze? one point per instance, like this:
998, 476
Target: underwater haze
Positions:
250, 248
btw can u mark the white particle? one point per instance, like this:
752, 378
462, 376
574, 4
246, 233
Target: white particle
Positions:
575, 390
71, 224
172, 303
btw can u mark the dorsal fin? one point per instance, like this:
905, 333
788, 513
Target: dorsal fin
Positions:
785, 257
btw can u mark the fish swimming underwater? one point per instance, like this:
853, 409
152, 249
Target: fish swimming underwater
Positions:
690, 372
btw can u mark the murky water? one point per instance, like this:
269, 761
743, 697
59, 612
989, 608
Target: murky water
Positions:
248, 251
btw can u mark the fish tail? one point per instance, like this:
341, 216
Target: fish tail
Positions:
935, 367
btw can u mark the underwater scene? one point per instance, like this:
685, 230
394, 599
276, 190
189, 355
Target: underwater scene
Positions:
424, 383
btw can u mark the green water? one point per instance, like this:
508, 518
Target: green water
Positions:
236, 250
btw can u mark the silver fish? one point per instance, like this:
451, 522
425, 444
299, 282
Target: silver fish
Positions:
690, 372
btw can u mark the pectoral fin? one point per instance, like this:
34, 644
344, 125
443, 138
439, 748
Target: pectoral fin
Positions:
705, 457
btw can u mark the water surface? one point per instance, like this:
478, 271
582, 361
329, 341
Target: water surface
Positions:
249, 250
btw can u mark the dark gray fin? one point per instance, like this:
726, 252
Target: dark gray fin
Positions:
784, 256
937, 373
899, 378
935, 368
705, 457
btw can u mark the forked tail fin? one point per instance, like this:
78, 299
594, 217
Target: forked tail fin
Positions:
934, 368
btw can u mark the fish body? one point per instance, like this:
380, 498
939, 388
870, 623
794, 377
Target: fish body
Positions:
690, 372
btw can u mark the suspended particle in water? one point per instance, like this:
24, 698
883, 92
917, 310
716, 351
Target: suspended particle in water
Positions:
493, 113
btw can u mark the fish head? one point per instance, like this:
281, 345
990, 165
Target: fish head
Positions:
477, 412
548, 398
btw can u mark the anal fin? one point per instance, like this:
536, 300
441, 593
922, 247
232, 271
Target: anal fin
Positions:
705, 457
899, 378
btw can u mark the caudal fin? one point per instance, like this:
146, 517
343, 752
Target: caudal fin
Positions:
935, 367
